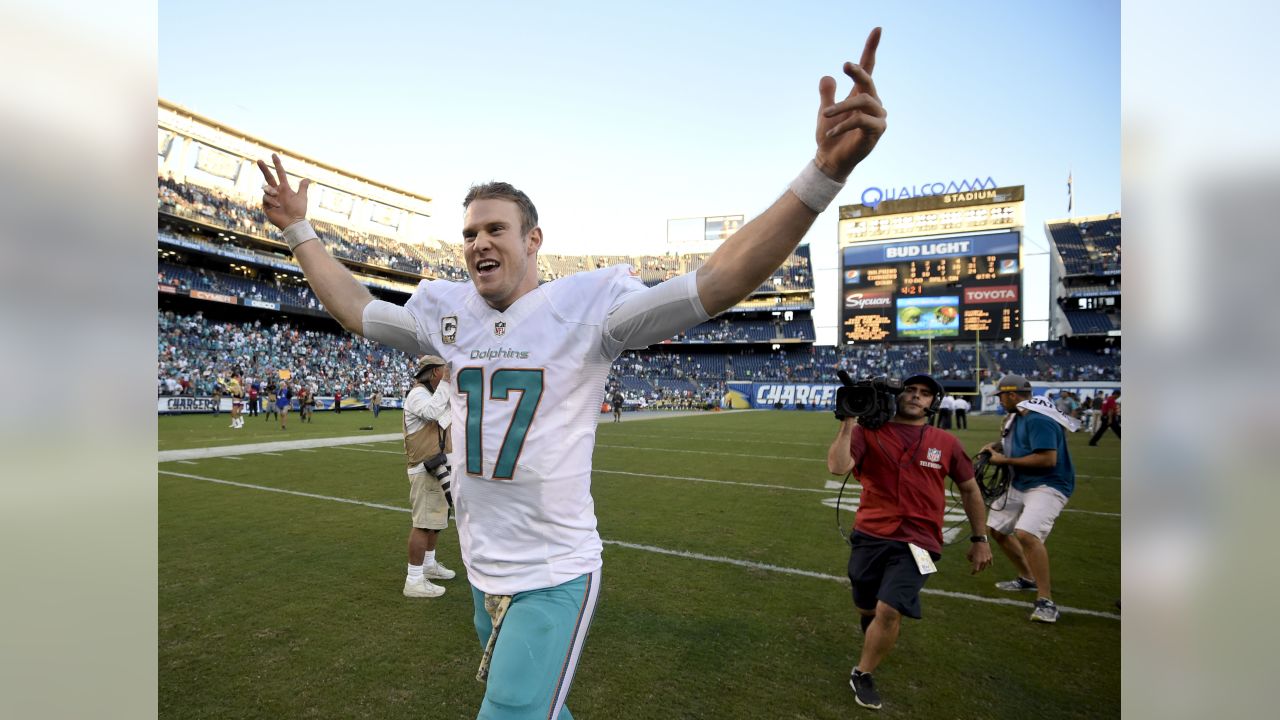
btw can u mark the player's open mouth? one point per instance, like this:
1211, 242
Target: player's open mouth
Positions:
486, 267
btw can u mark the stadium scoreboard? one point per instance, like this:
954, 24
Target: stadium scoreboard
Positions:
945, 266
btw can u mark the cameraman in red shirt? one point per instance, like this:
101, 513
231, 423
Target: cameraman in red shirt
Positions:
902, 466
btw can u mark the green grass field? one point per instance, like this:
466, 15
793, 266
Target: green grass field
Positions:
280, 605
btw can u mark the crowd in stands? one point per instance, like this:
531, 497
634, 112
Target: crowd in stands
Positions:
648, 371
185, 277
1086, 322
195, 352
210, 205
1059, 363
719, 330
437, 260
215, 207
1088, 248
728, 330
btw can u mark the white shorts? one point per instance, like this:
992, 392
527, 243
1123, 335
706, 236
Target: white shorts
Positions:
1032, 511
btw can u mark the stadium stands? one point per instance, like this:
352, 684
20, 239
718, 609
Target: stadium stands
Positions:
1085, 280
215, 208
1083, 323
213, 243
189, 278
194, 351
1088, 248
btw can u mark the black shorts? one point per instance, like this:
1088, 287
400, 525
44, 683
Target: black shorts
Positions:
885, 570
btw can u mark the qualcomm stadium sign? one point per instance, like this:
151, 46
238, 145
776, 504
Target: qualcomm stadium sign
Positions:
965, 190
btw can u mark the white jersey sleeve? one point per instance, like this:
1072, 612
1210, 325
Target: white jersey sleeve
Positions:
401, 326
642, 316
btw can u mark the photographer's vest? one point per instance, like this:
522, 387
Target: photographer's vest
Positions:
427, 441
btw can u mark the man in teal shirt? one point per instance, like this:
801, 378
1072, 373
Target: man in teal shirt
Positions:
1035, 448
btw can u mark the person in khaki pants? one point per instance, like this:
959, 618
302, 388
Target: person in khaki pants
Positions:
426, 437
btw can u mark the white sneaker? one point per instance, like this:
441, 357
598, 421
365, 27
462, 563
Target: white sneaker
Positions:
1046, 611
436, 571
422, 589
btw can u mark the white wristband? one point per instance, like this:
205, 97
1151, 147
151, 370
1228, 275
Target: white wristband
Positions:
298, 233
814, 188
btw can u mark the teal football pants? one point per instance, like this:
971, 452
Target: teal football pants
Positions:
537, 650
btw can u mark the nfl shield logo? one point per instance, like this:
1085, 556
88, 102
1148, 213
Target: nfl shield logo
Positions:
500, 328
934, 455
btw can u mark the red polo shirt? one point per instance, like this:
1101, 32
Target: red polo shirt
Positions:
1109, 405
903, 471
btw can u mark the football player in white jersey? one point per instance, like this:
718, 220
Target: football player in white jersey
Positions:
530, 363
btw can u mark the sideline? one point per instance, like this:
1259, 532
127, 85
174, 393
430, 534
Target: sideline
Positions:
269, 447
665, 551
640, 415
221, 451
233, 452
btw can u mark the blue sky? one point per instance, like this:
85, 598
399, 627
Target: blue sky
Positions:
617, 118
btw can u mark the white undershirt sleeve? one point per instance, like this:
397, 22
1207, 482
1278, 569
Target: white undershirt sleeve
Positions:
653, 314
391, 324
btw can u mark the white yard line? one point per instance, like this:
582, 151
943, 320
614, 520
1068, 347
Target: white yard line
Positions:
851, 490
664, 551
360, 449
232, 452
365, 440
735, 440
709, 480
282, 491
254, 448
708, 452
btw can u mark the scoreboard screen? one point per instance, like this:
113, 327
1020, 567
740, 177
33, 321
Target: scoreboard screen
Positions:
955, 287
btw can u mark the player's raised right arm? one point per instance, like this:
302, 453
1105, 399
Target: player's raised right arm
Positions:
343, 297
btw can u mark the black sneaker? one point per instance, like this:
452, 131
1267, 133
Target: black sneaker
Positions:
864, 690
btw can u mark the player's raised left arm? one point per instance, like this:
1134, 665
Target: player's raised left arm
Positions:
847, 131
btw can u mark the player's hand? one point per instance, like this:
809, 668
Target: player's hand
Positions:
283, 205
979, 556
848, 130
